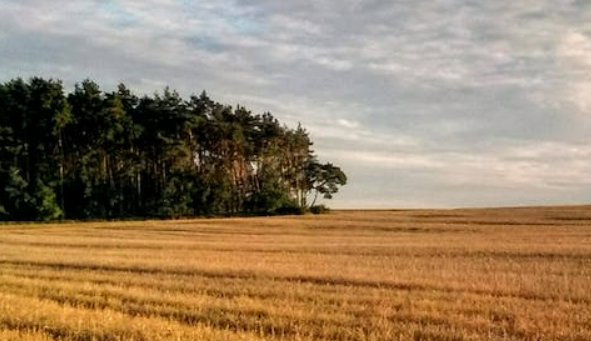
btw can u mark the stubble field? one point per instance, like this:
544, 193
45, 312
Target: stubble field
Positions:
495, 274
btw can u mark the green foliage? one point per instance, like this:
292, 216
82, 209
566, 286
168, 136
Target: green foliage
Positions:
324, 179
176, 198
319, 209
45, 204
273, 201
18, 201
96, 154
290, 207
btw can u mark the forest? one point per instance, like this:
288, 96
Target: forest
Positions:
92, 154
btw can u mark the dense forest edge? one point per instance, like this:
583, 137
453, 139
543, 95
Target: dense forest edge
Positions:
91, 154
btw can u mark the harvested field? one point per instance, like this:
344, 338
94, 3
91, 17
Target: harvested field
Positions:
479, 274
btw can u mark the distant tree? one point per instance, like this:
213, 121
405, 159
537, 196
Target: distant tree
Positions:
324, 179
95, 154
86, 138
32, 118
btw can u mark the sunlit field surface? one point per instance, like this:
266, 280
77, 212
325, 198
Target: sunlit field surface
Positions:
499, 274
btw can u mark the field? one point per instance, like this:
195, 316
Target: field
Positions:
446, 275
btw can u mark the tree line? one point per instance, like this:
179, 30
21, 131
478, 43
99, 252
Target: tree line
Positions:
91, 154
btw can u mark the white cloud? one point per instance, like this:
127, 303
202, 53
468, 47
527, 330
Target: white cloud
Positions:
574, 53
415, 98
348, 123
576, 47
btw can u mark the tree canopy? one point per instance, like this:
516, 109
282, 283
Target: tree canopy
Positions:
91, 154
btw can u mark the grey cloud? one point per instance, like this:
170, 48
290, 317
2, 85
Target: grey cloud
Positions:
423, 103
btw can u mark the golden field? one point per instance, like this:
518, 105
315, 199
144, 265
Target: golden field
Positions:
490, 274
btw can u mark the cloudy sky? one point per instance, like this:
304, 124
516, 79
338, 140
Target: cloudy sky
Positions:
423, 103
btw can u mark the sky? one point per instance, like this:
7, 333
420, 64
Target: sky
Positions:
423, 103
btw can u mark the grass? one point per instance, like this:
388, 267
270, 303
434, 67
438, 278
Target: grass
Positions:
447, 275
